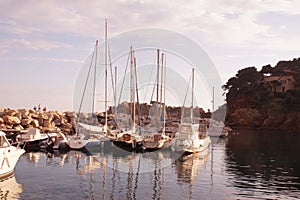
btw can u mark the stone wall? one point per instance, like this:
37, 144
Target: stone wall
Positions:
22, 119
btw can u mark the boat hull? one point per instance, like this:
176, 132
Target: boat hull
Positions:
187, 147
129, 146
77, 144
8, 160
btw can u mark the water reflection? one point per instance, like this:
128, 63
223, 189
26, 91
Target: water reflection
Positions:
251, 165
264, 164
9, 188
187, 167
187, 170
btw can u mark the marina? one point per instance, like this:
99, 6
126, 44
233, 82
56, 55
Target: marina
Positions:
151, 104
227, 171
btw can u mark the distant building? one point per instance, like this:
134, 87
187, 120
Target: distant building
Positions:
279, 83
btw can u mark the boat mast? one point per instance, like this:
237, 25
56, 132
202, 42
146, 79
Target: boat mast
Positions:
106, 68
192, 109
115, 95
133, 81
164, 105
213, 100
94, 89
162, 76
157, 77
132, 88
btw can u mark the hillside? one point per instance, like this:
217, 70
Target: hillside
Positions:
269, 98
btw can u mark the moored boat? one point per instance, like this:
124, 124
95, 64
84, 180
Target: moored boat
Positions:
34, 140
9, 156
190, 139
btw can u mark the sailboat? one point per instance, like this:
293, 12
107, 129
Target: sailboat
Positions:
9, 156
191, 137
216, 128
128, 138
153, 138
96, 134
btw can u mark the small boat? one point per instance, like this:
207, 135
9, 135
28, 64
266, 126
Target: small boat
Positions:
84, 138
154, 136
61, 142
190, 139
94, 134
128, 140
9, 156
34, 140
217, 129
156, 141
77, 141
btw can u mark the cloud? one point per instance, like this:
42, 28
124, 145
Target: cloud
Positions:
228, 20
52, 59
7, 45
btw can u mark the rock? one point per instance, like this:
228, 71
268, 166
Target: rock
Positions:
1, 120
73, 122
34, 115
18, 128
18, 115
57, 122
64, 120
26, 122
246, 117
11, 112
49, 116
56, 116
8, 126
48, 123
11, 120
70, 114
291, 121
48, 129
40, 120
66, 131
43, 116
35, 123
25, 114
66, 126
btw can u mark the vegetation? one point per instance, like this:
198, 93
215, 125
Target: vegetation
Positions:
248, 89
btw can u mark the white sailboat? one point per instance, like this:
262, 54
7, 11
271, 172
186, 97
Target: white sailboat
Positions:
216, 128
192, 137
78, 141
128, 138
96, 134
154, 138
9, 156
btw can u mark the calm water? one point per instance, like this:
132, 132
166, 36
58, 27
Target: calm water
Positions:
251, 165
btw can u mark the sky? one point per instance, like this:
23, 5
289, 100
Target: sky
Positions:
43, 44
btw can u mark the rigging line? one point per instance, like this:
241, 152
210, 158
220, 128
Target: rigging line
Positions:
150, 80
186, 92
124, 79
86, 82
137, 96
111, 73
153, 86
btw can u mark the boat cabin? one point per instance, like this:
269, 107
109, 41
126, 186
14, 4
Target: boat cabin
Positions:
3, 140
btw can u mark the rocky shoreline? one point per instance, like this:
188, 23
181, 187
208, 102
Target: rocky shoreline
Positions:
48, 121
20, 120
249, 117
